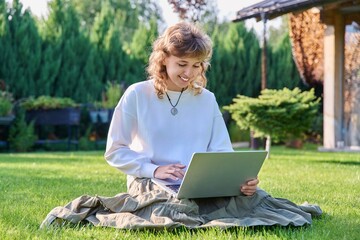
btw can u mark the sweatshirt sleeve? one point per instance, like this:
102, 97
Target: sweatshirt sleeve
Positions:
220, 139
122, 132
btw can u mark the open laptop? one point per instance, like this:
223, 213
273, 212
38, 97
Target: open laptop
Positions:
215, 174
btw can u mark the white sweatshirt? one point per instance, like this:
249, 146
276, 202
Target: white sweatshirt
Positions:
143, 133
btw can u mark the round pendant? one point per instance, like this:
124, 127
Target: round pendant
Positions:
174, 111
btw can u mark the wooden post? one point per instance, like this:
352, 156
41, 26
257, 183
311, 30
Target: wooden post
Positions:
263, 54
334, 81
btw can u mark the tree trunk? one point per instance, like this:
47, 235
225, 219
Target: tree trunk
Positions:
268, 145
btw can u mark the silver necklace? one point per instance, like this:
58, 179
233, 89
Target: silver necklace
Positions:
174, 110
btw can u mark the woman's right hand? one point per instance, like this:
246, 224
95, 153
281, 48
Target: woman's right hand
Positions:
172, 171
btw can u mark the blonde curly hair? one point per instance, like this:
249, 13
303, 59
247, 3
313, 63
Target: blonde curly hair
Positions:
181, 40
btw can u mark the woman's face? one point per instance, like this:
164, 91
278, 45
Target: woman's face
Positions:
181, 71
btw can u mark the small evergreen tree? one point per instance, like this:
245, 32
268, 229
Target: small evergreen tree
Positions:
279, 114
22, 135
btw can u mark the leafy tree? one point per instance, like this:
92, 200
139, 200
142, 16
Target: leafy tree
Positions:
147, 10
194, 10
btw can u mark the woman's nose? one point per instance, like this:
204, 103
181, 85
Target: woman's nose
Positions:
188, 71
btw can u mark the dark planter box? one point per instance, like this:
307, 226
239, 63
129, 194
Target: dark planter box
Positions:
69, 117
65, 116
7, 120
5, 123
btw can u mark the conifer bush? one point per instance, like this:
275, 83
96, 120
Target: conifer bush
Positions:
281, 114
22, 134
6, 103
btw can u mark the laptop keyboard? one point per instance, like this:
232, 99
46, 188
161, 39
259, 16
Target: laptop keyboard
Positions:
175, 187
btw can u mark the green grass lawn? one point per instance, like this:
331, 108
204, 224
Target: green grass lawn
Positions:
31, 184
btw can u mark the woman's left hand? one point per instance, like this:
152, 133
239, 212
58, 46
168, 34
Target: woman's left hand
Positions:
250, 187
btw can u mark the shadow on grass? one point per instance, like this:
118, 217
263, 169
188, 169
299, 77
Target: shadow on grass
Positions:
350, 163
238, 231
177, 232
50, 157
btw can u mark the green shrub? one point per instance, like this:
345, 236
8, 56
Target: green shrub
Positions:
111, 96
85, 142
6, 103
281, 114
21, 135
47, 102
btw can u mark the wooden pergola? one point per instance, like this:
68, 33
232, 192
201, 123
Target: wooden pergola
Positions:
341, 116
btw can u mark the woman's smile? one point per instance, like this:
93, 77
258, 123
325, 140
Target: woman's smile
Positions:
184, 79
181, 71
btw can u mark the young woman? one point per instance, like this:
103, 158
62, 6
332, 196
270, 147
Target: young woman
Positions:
158, 124
156, 127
